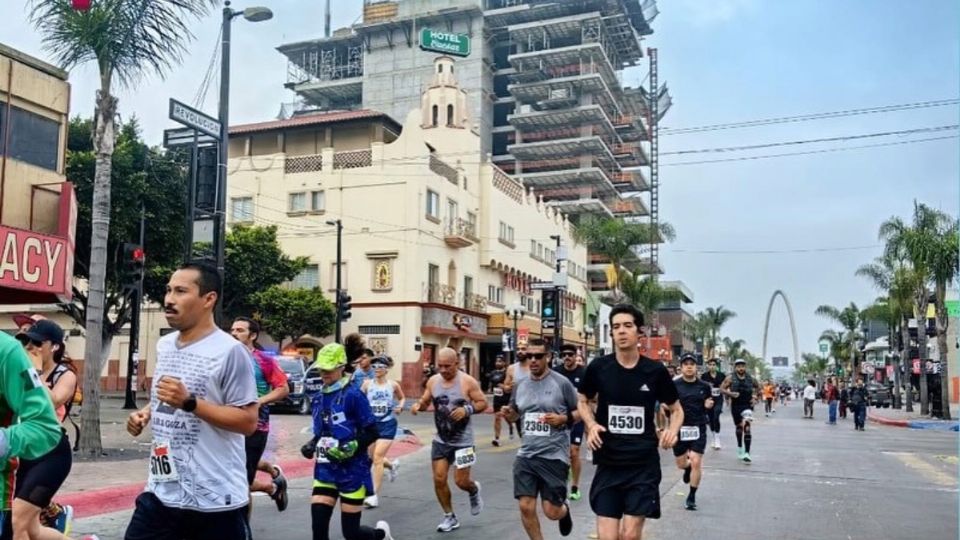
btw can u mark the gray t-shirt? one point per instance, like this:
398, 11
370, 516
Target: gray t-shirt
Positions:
531, 398
210, 463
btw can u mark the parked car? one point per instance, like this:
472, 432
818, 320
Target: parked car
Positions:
878, 395
297, 400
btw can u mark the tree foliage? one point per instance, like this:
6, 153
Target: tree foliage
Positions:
290, 313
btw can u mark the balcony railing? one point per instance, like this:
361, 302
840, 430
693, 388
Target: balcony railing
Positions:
439, 167
352, 159
301, 164
505, 183
442, 294
475, 302
459, 232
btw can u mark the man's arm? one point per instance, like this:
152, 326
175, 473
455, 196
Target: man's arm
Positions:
725, 387
478, 400
37, 430
278, 381
508, 380
425, 399
235, 418
669, 437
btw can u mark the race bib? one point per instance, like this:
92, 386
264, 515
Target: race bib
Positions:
162, 466
324, 444
534, 426
464, 457
715, 392
380, 407
498, 392
625, 419
689, 433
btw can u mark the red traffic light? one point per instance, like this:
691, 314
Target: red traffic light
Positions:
81, 5
138, 254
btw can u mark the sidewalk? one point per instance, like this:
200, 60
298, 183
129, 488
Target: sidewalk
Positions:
913, 420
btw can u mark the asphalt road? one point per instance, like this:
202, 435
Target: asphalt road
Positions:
808, 481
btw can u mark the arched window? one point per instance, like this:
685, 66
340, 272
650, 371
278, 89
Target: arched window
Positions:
436, 114
439, 68
450, 120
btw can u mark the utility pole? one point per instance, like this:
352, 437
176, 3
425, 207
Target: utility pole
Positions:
558, 328
133, 350
339, 225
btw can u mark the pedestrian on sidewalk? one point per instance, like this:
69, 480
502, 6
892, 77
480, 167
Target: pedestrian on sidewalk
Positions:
844, 399
858, 403
202, 405
832, 396
809, 396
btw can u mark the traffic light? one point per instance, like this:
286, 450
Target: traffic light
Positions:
206, 192
131, 265
548, 305
344, 306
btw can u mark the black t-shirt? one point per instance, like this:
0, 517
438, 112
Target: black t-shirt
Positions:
714, 381
745, 386
692, 398
626, 400
575, 377
496, 377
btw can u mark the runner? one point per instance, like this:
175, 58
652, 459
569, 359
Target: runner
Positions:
696, 399
626, 484
271, 387
28, 424
516, 372
809, 397
741, 388
363, 371
455, 397
202, 404
344, 427
574, 372
784, 394
546, 402
386, 401
769, 391
715, 379
501, 398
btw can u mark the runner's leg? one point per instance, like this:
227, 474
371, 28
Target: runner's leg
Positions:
441, 468
528, 516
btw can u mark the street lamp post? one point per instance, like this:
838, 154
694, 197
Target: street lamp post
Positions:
339, 225
252, 14
516, 313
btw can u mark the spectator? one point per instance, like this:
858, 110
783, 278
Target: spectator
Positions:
809, 396
844, 398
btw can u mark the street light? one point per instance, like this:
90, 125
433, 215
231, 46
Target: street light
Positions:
339, 225
516, 313
252, 14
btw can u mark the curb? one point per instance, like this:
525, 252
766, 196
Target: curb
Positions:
103, 501
936, 425
887, 421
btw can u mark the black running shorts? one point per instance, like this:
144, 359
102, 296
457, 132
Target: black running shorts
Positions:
736, 410
39, 479
632, 491
254, 445
546, 478
698, 445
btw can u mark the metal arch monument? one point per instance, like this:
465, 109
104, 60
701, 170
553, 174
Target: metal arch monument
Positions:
793, 325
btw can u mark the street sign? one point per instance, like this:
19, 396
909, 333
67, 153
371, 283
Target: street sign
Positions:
542, 286
547, 324
195, 119
824, 348
445, 42
176, 137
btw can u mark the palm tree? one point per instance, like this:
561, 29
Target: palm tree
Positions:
757, 367
896, 278
914, 243
697, 330
840, 349
942, 256
716, 318
647, 294
814, 365
616, 238
127, 40
851, 321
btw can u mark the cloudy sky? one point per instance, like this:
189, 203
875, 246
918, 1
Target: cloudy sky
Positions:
801, 224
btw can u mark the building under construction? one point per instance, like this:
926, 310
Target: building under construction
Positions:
544, 90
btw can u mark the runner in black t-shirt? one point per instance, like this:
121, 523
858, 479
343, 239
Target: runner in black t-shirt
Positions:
627, 386
742, 390
575, 374
501, 397
696, 401
715, 378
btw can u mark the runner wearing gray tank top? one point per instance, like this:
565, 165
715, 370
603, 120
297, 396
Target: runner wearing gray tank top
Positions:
455, 397
516, 373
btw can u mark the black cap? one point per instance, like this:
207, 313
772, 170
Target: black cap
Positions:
712, 361
44, 330
688, 358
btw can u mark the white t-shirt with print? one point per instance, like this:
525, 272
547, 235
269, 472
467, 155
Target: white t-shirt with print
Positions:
210, 462
809, 393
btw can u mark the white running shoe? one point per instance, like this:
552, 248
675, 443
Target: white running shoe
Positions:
716, 443
449, 523
372, 501
394, 470
385, 527
476, 501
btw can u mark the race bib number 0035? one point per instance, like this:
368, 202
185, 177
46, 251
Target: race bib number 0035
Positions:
534, 426
162, 466
464, 457
689, 433
625, 419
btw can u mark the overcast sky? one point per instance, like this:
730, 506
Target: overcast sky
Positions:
801, 224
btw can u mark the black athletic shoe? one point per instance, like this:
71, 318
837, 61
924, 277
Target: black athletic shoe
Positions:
690, 505
566, 522
280, 492
686, 475
496, 442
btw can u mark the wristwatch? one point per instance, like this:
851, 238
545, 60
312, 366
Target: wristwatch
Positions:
190, 404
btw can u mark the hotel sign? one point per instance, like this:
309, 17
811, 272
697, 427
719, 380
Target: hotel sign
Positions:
445, 42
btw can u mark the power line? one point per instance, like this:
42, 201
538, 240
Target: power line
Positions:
772, 251
809, 117
812, 141
823, 151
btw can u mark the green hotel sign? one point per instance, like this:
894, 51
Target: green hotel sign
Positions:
953, 308
445, 42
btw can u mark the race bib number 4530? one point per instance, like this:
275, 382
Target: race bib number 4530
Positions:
625, 419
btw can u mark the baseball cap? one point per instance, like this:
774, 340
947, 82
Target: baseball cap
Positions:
740, 361
43, 330
688, 358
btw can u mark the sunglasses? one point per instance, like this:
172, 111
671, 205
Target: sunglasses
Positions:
536, 356
568, 354
24, 340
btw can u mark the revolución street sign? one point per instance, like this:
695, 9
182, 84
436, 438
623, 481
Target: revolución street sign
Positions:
445, 42
195, 119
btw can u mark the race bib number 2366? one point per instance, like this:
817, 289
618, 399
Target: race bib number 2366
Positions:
625, 419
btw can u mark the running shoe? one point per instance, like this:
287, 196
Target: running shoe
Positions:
575, 495
716, 443
385, 527
511, 435
740, 452
746, 457
690, 505
62, 520
496, 442
279, 494
394, 470
371, 502
566, 522
449, 523
476, 501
